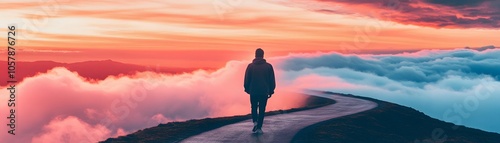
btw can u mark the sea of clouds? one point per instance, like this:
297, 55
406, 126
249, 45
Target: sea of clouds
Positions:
460, 86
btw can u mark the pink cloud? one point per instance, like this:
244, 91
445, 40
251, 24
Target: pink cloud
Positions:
71, 129
61, 106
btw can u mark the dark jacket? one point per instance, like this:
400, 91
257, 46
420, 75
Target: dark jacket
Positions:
259, 78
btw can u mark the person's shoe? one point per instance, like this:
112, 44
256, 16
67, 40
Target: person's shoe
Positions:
254, 127
259, 131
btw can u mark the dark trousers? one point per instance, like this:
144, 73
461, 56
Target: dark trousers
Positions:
258, 101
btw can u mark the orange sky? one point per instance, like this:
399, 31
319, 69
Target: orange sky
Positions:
207, 33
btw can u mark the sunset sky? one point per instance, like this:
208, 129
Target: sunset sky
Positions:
208, 33
347, 46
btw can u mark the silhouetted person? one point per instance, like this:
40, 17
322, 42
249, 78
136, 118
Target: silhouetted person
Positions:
260, 84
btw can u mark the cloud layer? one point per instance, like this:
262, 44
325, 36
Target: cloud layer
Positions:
459, 86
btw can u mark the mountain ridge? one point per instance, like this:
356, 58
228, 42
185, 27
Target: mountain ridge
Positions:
96, 70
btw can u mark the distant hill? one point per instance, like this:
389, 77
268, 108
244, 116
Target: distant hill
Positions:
482, 48
89, 69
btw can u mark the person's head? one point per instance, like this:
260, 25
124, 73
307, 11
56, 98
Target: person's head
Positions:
259, 53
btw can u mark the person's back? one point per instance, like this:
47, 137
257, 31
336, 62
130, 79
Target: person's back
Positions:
260, 80
260, 84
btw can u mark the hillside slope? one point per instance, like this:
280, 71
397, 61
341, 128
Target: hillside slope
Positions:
391, 123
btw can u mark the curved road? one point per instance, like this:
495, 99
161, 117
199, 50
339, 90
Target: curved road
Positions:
282, 127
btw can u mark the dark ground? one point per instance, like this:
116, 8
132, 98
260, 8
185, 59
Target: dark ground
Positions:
391, 123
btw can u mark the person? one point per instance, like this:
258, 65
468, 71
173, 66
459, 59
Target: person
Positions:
260, 84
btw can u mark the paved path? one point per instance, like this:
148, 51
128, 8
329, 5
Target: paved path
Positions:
282, 127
